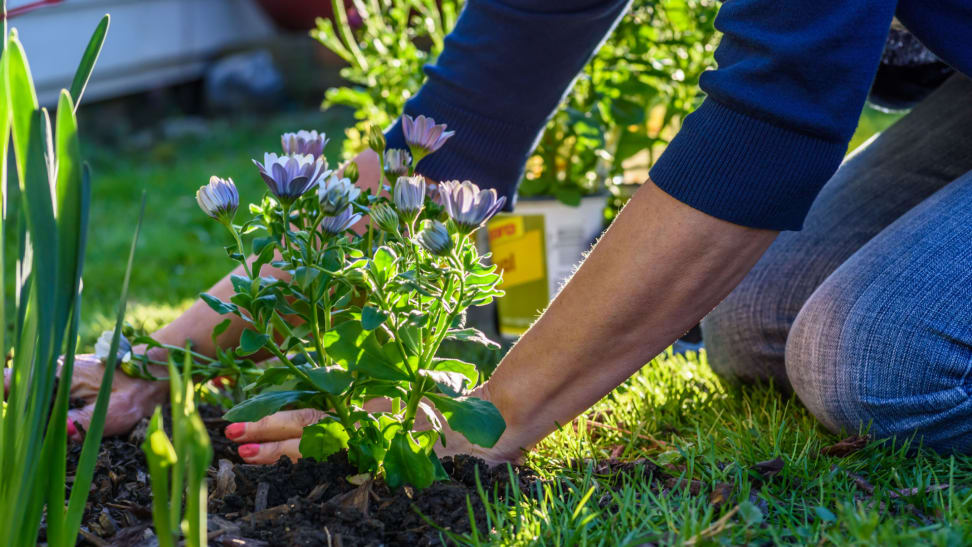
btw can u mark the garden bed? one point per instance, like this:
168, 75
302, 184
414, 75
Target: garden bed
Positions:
307, 503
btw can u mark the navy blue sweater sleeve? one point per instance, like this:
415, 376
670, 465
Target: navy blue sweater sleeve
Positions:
504, 69
781, 108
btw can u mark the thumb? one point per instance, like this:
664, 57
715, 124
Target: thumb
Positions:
79, 419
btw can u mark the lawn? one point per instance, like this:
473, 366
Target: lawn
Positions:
738, 465
706, 438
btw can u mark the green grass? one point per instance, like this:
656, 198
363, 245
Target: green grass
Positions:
180, 253
715, 434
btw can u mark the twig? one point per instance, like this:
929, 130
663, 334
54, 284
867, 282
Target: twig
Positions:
868, 488
713, 529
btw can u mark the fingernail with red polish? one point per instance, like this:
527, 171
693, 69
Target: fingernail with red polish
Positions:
235, 431
248, 450
71, 429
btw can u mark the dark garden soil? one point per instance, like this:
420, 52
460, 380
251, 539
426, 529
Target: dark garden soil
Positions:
307, 503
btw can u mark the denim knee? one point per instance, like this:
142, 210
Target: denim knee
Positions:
857, 363
745, 336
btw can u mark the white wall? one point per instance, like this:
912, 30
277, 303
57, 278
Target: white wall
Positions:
150, 43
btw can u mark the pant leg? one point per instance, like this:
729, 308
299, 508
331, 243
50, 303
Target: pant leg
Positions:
886, 340
745, 336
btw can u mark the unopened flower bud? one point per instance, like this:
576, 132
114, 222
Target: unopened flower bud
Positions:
386, 218
219, 199
336, 194
396, 162
376, 140
351, 171
409, 196
435, 237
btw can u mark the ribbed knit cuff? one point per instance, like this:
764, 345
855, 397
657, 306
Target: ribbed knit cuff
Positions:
746, 170
488, 152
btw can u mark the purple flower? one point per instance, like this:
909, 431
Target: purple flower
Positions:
304, 142
467, 205
340, 222
396, 162
423, 136
289, 177
219, 199
435, 237
335, 194
409, 196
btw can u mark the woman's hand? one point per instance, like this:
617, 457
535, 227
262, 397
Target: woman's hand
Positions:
131, 399
278, 435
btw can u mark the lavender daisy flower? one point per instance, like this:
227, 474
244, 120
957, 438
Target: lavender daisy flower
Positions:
435, 237
337, 224
103, 347
304, 142
289, 177
423, 136
409, 196
397, 162
219, 199
467, 205
336, 194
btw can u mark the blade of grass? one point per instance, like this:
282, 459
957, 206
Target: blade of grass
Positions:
92, 441
88, 59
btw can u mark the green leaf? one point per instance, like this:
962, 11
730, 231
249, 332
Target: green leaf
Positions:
472, 335
825, 514
358, 350
452, 384
568, 196
264, 405
750, 513
320, 440
468, 370
479, 421
88, 59
406, 462
218, 305
251, 342
383, 263
92, 440
334, 380
372, 318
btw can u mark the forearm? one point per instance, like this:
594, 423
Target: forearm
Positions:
196, 324
660, 267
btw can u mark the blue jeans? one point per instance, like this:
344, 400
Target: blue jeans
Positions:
866, 314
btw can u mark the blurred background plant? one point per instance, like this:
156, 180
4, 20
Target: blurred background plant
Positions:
385, 53
628, 102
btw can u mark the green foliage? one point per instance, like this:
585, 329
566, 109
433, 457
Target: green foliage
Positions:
385, 56
628, 102
363, 318
51, 202
181, 461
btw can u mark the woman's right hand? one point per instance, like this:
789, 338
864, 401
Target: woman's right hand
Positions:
131, 398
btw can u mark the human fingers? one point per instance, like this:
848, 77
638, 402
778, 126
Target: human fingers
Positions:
269, 452
286, 424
